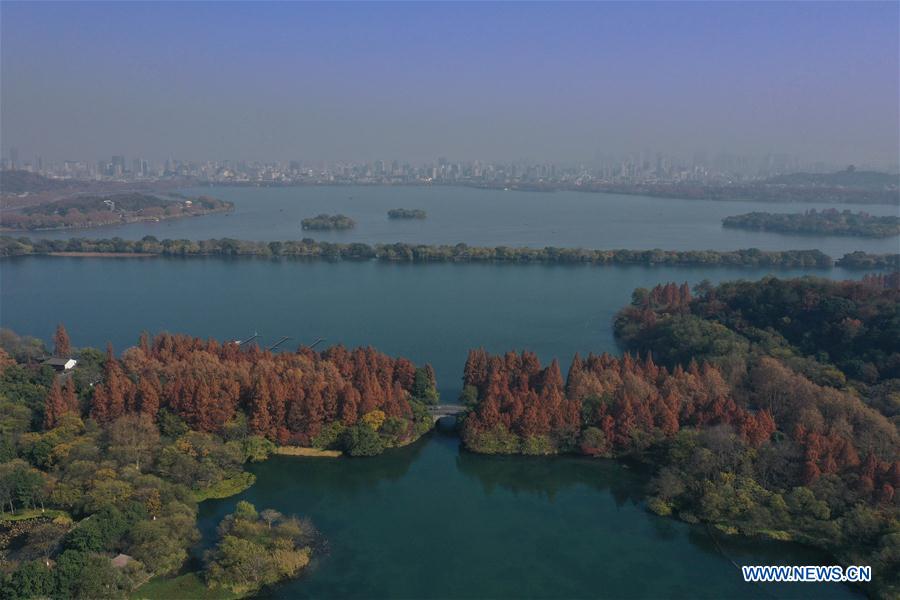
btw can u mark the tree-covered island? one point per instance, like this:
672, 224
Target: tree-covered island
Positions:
325, 222
406, 213
826, 222
82, 212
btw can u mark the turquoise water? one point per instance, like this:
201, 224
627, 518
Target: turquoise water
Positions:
495, 217
432, 521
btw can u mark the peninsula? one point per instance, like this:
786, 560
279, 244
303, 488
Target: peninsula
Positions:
81, 212
826, 222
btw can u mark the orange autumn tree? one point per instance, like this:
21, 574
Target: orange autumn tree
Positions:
62, 347
61, 399
289, 398
607, 405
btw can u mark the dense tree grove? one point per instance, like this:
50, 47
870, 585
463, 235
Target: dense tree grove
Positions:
303, 398
459, 253
113, 456
93, 211
768, 408
826, 222
832, 331
821, 357
606, 407
779, 457
865, 260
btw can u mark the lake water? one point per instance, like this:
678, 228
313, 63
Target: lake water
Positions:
432, 521
493, 217
433, 312
428, 520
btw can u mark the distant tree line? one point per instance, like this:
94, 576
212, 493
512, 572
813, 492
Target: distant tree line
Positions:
826, 222
866, 260
421, 253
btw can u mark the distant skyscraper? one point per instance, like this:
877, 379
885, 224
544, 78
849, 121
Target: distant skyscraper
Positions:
14, 157
118, 165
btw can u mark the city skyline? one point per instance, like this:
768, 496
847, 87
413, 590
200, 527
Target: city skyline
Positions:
504, 83
640, 167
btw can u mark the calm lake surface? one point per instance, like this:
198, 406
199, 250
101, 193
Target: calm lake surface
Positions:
432, 521
428, 313
492, 218
428, 520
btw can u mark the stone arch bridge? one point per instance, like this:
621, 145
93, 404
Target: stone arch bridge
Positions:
440, 411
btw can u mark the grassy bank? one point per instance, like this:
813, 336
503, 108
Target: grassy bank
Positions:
24, 515
226, 487
301, 451
189, 585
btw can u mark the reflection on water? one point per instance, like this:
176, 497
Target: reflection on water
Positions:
547, 476
432, 521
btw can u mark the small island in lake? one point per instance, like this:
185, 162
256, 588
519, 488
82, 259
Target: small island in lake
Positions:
81, 212
406, 213
826, 222
325, 222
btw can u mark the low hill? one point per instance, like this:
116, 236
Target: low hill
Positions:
19, 182
94, 211
846, 178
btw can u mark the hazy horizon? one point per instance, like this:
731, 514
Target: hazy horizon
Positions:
543, 82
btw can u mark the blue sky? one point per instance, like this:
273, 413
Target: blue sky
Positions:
465, 80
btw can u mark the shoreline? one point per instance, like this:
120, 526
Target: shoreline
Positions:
306, 451
127, 221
